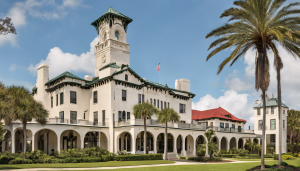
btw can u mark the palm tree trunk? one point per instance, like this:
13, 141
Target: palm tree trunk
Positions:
24, 138
279, 115
263, 132
166, 142
145, 132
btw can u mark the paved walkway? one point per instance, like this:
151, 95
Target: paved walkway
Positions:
177, 162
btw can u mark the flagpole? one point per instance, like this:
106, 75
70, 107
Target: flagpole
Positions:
159, 72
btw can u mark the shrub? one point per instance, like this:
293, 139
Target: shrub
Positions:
223, 152
138, 157
249, 156
229, 155
205, 159
4, 159
19, 160
192, 158
276, 157
182, 157
269, 155
295, 155
288, 157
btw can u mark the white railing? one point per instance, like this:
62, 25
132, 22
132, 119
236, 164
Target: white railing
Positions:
76, 122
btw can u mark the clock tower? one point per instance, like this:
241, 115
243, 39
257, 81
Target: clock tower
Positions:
112, 48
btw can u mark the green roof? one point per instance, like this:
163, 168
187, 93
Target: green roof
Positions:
63, 75
112, 65
271, 102
109, 14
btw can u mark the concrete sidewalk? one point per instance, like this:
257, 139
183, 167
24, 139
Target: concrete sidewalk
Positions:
177, 162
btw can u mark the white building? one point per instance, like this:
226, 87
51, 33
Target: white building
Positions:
97, 111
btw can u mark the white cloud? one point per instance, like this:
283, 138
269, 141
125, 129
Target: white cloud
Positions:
60, 61
13, 67
235, 103
19, 11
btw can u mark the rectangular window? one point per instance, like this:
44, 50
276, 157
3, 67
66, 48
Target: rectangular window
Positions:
123, 95
123, 116
103, 117
165, 104
273, 138
56, 99
162, 105
143, 98
221, 125
62, 117
154, 102
120, 116
51, 101
283, 111
168, 105
73, 117
95, 118
151, 101
227, 125
95, 97
128, 115
73, 97
273, 124
61, 98
158, 104
239, 129
181, 108
283, 122
140, 98
233, 126
260, 124
272, 110
258, 111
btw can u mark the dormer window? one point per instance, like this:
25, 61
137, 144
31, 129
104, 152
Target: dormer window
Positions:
117, 35
228, 116
126, 77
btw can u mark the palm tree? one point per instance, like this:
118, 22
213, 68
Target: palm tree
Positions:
164, 116
25, 108
211, 147
144, 110
259, 25
293, 122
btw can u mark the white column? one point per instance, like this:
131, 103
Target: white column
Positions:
154, 145
219, 144
133, 146
13, 142
183, 152
195, 148
237, 144
228, 146
206, 151
58, 143
175, 146
3, 145
82, 141
32, 142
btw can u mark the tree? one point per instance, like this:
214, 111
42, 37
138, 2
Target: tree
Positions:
144, 110
212, 147
201, 150
293, 122
164, 116
25, 108
261, 25
6, 26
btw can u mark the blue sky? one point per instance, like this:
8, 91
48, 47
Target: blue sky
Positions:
173, 30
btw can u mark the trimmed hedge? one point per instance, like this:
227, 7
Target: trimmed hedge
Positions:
138, 157
229, 155
182, 157
269, 155
206, 159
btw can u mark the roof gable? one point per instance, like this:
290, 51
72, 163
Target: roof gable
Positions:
214, 113
62, 76
271, 102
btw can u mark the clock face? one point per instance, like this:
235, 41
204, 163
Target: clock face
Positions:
103, 59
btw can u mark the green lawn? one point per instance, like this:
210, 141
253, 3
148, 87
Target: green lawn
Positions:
79, 165
213, 167
266, 159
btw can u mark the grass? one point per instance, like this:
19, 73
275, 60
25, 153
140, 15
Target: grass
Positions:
258, 160
80, 165
213, 166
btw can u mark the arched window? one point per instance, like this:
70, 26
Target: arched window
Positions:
117, 34
104, 37
126, 77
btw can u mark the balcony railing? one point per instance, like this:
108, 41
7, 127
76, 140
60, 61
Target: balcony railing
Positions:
192, 126
76, 122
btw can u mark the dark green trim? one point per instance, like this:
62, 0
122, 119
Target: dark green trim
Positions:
63, 84
62, 77
97, 82
112, 65
34, 90
128, 84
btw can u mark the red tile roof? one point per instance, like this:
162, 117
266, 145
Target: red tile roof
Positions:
214, 113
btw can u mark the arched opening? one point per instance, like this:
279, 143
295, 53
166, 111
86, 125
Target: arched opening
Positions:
215, 140
232, 143
117, 34
161, 142
46, 141
200, 140
224, 144
149, 142
189, 145
240, 143
255, 142
179, 144
124, 142
95, 139
70, 139
6, 143
19, 141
